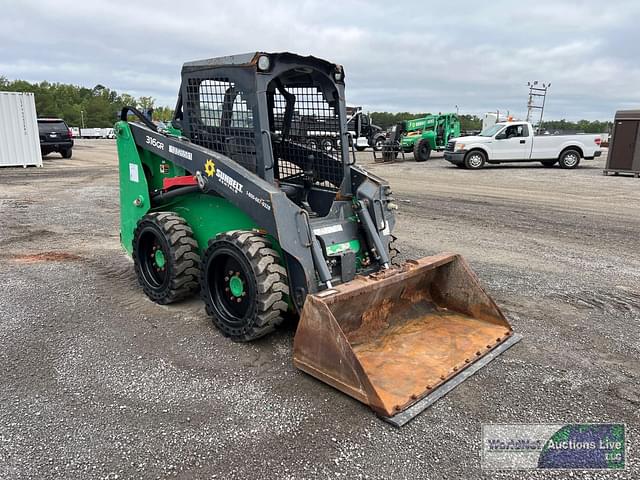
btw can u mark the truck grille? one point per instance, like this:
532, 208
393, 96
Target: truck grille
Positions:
450, 146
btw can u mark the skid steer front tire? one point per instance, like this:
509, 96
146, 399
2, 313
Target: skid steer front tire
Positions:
243, 285
165, 256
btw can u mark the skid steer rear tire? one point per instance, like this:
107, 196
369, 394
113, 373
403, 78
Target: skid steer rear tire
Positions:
165, 256
253, 305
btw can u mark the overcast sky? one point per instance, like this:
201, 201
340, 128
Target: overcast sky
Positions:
429, 57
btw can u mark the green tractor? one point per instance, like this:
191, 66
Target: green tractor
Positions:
421, 136
236, 200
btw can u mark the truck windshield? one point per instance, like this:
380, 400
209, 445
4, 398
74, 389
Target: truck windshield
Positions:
491, 131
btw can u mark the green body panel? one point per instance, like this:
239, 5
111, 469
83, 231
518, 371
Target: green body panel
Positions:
134, 190
426, 127
421, 123
208, 215
141, 172
408, 141
171, 130
338, 248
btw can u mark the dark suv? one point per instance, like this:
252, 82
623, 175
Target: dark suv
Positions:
55, 136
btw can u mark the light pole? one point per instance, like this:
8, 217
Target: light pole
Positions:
82, 118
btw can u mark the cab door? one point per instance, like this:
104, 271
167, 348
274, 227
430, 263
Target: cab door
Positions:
512, 143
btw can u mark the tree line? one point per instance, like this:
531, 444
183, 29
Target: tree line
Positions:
97, 107
100, 107
473, 122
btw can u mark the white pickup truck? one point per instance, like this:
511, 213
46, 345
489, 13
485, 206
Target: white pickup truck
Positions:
516, 142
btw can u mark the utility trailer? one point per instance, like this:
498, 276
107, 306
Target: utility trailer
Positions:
232, 201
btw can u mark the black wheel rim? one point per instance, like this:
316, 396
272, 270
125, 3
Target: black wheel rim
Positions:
153, 258
424, 151
225, 271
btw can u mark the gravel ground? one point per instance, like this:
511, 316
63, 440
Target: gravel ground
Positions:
98, 382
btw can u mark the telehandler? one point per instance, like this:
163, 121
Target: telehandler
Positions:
420, 136
235, 200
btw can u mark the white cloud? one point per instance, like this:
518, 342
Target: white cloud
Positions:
478, 55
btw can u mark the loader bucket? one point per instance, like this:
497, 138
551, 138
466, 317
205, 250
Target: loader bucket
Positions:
402, 338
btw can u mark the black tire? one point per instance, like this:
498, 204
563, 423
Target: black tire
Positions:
548, 163
165, 257
569, 159
378, 143
360, 149
422, 150
66, 153
257, 306
475, 160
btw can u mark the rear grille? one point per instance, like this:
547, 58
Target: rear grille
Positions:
450, 146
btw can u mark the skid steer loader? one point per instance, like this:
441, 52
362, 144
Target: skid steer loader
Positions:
236, 199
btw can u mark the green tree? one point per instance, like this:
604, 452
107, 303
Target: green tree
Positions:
99, 105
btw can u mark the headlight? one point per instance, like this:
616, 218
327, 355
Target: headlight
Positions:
264, 63
459, 146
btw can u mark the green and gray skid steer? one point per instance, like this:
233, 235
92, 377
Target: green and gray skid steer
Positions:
235, 199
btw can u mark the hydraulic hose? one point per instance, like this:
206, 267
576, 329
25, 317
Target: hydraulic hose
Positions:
162, 197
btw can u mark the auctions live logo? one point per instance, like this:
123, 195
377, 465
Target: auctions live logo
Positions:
580, 446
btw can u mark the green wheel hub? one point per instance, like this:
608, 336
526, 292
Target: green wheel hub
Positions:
159, 258
236, 285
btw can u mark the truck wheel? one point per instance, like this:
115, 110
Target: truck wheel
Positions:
378, 143
475, 160
548, 163
360, 149
66, 153
422, 150
569, 159
243, 285
165, 256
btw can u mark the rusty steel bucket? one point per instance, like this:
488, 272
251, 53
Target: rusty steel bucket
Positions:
402, 338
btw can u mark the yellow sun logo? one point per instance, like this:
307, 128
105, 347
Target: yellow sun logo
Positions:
210, 168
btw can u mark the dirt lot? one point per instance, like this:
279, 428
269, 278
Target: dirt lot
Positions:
98, 382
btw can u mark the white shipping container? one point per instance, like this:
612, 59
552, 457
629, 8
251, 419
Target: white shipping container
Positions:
19, 137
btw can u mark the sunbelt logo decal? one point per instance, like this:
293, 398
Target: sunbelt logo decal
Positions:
232, 184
